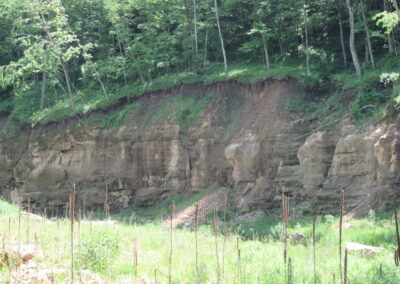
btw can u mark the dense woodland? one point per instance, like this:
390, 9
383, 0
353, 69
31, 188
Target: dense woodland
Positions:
74, 56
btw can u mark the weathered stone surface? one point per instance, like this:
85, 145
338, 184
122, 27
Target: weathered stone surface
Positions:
315, 157
255, 150
245, 158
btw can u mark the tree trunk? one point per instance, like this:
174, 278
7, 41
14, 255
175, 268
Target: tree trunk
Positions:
133, 55
389, 36
62, 63
306, 34
267, 64
68, 82
352, 36
206, 47
195, 28
102, 85
370, 51
396, 6
43, 90
394, 44
280, 36
138, 67
221, 38
123, 57
366, 52
390, 43
342, 40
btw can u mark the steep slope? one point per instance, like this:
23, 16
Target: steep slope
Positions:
196, 137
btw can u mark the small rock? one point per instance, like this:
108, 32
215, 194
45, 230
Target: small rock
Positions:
364, 249
297, 237
347, 226
33, 216
23, 252
104, 223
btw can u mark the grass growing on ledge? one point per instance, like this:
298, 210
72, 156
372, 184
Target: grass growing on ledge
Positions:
87, 100
111, 122
181, 109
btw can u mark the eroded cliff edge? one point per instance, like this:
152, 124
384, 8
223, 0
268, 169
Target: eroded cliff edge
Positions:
238, 137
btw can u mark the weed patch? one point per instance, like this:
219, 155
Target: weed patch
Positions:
98, 250
182, 109
113, 121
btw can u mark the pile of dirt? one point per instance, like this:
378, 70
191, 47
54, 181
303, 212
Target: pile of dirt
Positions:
206, 206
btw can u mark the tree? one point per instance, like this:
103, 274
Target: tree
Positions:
388, 20
342, 39
47, 45
352, 35
306, 35
368, 37
220, 36
391, 43
261, 28
195, 27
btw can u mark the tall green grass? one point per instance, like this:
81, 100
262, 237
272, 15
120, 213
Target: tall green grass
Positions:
7, 209
259, 243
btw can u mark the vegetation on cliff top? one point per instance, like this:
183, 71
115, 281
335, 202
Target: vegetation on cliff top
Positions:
61, 58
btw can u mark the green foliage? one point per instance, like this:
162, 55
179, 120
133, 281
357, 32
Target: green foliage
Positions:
113, 121
372, 216
11, 127
260, 252
366, 103
8, 209
263, 227
94, 53
324, 111
370, 231
331, 108
98, 250
182, 109
6, 106
387, 20
230, 112
389, 78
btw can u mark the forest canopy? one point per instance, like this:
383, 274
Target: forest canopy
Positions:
66, 57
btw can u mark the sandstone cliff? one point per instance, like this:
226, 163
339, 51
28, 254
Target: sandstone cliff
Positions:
239, 139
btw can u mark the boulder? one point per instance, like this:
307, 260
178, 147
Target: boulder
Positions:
364, 249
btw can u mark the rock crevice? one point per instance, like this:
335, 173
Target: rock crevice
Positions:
240, 140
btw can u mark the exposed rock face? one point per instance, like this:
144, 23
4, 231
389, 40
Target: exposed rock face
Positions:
240, 140
245, 157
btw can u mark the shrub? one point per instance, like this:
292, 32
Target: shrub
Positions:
181, 109
112, 121
372, 216
263, 227
11, 128
366, 103
97, 251
387, 78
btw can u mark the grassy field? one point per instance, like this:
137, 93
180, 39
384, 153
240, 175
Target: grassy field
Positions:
251, 252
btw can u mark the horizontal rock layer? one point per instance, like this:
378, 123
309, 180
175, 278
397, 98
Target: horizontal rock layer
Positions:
242, 140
